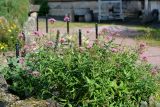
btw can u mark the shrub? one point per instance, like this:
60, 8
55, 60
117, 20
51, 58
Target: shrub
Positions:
15, 10
94, 75
14, 14
44, 8
8, 33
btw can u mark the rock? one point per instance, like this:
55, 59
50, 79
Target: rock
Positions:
7, 99
144, 104
52, 103
3, 83
151, 101
29, 28
31, 103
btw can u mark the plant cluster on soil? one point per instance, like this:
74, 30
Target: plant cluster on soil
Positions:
96, 74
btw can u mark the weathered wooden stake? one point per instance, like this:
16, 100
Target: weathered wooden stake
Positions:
80, 38
46, 23
96, 28
17, 50
37, 23
57, 40
67, 27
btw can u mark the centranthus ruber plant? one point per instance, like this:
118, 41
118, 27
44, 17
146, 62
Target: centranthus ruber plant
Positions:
97, 74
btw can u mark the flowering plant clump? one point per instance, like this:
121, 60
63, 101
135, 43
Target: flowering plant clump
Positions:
66, 19
52, 20
3, 47
98, 73
9, 32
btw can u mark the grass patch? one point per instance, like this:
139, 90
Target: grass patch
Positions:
151, 37
62, 24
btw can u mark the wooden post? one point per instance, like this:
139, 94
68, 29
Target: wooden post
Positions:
96, 28
57, 40
80, 38
46, 23
17, 50
67, 27
37, 23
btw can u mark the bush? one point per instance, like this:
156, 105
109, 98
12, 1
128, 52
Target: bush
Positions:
8, 34
99, 75
44, 8
15, 10
14, 14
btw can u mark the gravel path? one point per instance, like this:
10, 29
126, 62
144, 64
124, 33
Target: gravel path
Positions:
153, 53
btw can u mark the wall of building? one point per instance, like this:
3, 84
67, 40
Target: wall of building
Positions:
130, 8
155, 5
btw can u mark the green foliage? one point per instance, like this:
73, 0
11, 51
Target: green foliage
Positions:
95, 77
15, 10
14, 13
151, 36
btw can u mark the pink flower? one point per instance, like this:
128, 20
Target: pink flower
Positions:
62, 40
88, 31
35, 74
104, 30
114, 50
142, 48
21, 60
27, 48
144, 57
66, 19
49, 44
38, 33
142, 45
109, 38
33, 46
52, 20
90, 45
154, 70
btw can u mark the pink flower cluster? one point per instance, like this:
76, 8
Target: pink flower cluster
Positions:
29, 48
52, 20
38, 34
155, 70
141, 50
90, 45
114, 50
144, 57
66, 19
49, 43
62, 40
35, 73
